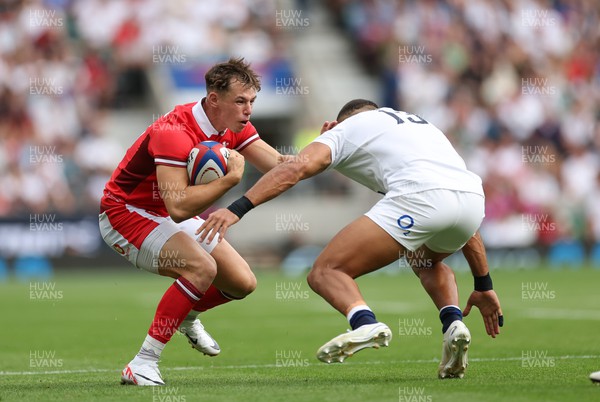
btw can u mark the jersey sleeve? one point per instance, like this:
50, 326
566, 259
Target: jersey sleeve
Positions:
170, 147
334, 140
245, 137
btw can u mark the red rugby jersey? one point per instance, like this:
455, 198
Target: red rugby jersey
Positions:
167, 141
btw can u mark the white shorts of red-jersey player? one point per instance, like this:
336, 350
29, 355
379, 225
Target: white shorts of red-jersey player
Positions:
140, 235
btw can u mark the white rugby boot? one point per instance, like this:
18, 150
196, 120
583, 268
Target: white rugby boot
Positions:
595, 377
454, 351
199, 338
141, 372
345, 345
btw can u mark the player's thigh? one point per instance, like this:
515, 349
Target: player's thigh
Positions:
155, 244
189, 226
181, 255
234, 275
359, 248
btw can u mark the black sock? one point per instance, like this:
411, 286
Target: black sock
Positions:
448, 315
362, 317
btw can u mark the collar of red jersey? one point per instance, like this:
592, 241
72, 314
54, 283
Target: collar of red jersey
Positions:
202, 120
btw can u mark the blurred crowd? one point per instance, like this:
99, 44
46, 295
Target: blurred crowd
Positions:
515, 84
65, 64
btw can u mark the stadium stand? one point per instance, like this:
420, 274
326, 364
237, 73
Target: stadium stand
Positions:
515, 85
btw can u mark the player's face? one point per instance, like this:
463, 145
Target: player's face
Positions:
235, 106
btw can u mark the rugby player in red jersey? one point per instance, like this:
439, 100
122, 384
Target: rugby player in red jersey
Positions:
149, 211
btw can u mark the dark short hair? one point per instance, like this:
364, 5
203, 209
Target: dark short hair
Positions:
220, 76
353, 106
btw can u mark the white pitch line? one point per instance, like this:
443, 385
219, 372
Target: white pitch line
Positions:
255, 366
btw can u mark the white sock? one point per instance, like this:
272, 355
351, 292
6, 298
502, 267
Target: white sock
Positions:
150, 350
355, 310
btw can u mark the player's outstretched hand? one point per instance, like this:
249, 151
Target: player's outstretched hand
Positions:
235, 165
328, 125
217, 222
490, 309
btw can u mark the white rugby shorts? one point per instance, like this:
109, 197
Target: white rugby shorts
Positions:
139, 235
443, 220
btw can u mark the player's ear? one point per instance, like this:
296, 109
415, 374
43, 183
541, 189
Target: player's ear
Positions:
212, 98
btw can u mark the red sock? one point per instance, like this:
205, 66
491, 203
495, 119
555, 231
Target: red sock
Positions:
212, 298
174, 306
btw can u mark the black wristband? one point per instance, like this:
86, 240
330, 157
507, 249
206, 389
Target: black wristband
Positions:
241, 206
483, 283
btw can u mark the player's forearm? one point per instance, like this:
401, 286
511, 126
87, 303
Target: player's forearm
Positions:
310, 161
474, 252
194, 200
277, 181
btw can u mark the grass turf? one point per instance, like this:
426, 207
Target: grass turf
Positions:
69, 339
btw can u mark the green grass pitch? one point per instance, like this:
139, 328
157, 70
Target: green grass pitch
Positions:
68, 338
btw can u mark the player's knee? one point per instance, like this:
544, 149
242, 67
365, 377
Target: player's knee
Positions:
248, 286
315, 277
244, 286
202, 268
250, 283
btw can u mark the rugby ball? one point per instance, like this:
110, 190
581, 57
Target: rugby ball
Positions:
206, 162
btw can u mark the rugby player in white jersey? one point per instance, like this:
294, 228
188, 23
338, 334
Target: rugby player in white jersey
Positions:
432, 207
